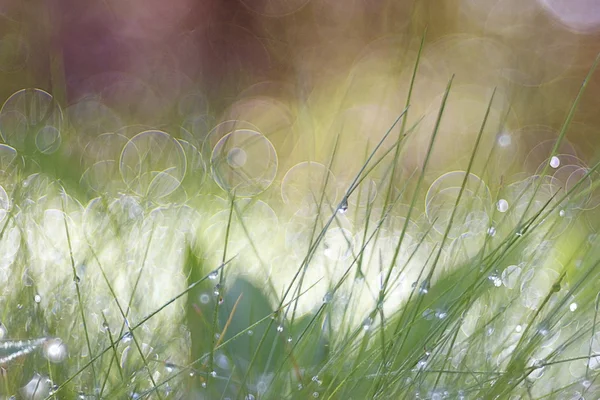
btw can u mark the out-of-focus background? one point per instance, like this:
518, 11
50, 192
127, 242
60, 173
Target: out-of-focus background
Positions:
294, 68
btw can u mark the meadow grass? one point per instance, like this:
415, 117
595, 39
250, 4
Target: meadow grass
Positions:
130, 297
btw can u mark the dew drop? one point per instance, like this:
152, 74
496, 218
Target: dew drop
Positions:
586, 383
213, 374
440, 314
280, 328
491, 231
37, 298
213, 275
55, 351
250, 332
328, 297
315, 394
518, 328
203, 385
217, 290
169, 367
495, 279
554, 162
290, 339
424, 288
573, 307
366, 325
343, 206
127, 337
502, 205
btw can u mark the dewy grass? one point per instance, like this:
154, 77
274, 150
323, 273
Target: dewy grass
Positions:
221, 298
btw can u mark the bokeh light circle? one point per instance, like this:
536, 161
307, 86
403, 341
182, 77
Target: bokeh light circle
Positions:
473, 210
244, 161
31, 116
153, 164
306, 186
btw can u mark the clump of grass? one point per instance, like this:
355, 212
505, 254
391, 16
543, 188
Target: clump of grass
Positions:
464, 295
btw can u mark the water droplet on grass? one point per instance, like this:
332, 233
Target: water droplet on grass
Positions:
280, 328
37, 298
367, 323
502, 205
213, 275
55, 351
573, 307
554, 162
127, 337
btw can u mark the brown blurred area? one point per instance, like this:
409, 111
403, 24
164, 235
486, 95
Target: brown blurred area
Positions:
329, 54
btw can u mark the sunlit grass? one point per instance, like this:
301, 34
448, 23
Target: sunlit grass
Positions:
241, 293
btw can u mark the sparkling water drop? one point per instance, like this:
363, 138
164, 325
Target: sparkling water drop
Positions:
367, 323
290, 339
440, 314
424, 288
213, 275
518, 328
343, 206
203, 385
562, 213
250, 332
55, 351
554, 162
217, 290
169, 367
280, 328
495, 280
573, 307
37, 298
127, 337
502, 205
328, 297
491, 231
315, 394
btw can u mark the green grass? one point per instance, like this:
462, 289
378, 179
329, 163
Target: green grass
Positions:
222, 298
